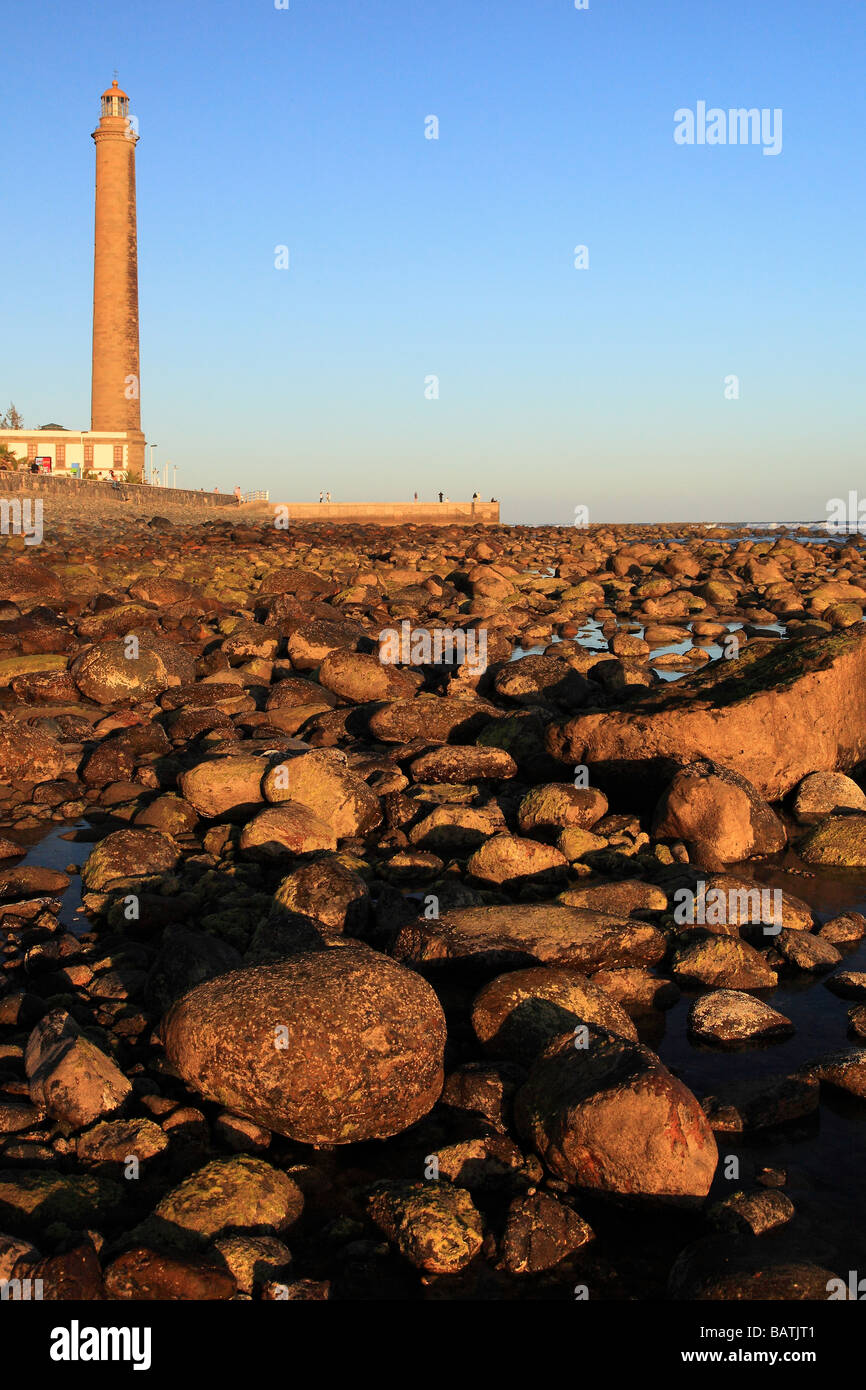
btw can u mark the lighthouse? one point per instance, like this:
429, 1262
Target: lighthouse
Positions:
116, 382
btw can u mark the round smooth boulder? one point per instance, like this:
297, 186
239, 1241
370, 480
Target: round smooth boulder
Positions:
129, 854
823, 793
107, 674
326, 1047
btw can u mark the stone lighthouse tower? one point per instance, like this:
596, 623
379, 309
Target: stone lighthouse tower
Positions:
115, 399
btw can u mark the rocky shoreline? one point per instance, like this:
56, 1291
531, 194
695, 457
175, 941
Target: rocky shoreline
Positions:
367, 986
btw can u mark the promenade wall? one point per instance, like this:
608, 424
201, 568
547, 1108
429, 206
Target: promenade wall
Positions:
397, 513
81, 489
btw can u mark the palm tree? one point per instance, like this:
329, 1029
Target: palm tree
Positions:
8, 460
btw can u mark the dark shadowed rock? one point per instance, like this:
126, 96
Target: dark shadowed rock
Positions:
517, 1014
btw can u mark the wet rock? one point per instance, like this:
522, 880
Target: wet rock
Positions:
516, 1015
723, 962
611, 1117
327, 1047
728, 1016
844, 929
857, 1021
435, 1226
752, 1213
848, 984
68, 1076
760, 1102
804, 951
740, 1268
846, 1070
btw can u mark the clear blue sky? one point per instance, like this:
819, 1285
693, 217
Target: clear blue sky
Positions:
409, 257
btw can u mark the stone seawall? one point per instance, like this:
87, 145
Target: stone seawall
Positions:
397, 513
80, 490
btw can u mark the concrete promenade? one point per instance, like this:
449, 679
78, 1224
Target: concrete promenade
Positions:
397, 513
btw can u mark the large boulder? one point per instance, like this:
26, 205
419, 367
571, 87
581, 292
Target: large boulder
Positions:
108, 674
611, 1117
327, 1047
781, 710
719, 814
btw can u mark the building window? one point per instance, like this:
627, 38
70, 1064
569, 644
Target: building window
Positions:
88, 453
118, 455
60, 456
